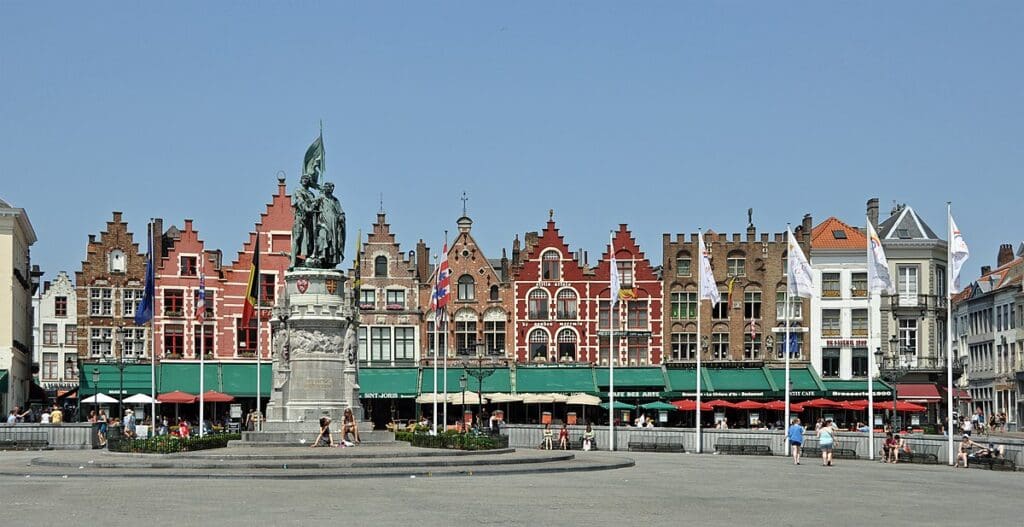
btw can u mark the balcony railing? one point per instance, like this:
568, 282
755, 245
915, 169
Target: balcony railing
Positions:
925, 302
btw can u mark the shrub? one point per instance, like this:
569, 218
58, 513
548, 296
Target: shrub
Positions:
169, 444
453, 440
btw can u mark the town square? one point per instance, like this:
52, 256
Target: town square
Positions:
511, 264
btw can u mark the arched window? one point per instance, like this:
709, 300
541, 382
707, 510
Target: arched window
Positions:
551, 266
380, 266
466, 286
538, 344
494, 293
538, 304
566, 307
566, 345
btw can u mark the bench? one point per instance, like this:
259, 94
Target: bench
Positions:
13, 438
992, 463
744, 446
642, 442
921, 453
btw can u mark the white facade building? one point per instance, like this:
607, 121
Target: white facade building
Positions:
16, 289
55, 347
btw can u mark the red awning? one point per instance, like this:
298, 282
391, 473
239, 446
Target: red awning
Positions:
919, 393
958, 393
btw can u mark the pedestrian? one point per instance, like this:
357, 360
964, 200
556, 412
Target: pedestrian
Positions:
56, 415
588, 438
44, 418
563, 437
101, 432
129, 423
12, 418
183, 429
889, 448
548, 434
796, 439
964, 451
826, 441
967, 426
818, 424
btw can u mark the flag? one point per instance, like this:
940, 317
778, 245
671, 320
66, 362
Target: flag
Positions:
313, 163
708, 288
794, 345
442, 289
357, 274
614, 279
732, 281
753, 330
144, 313
801, 281
958, 254
879, 279
201, 300
252, 290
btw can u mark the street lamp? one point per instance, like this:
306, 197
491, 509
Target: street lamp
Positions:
479, 372
892, 366
96, 391
463, 381
119, 336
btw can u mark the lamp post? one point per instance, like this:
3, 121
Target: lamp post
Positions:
96, 391
892, 366
119, 336
463, 382
479, 372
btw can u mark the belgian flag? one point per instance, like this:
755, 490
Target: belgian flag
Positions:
252, 291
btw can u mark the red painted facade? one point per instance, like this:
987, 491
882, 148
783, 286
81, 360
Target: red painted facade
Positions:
562, 306
177, 284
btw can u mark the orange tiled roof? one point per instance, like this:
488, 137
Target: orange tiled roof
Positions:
824, 236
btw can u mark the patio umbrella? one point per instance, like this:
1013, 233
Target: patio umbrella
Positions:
749, 405
689, 405
470, 398
140, 398
537, 398
718, 403
780, 406
211, 396
856, 405
659, 405
821, 403
901, 406
99, 398
176, 397
503, 398
428, 398
584, 399
618, 406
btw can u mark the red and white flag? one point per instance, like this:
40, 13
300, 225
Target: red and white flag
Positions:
442, 285
201, 300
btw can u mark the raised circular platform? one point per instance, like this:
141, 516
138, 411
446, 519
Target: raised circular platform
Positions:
305, 463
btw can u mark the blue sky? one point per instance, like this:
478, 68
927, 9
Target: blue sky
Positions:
663, 115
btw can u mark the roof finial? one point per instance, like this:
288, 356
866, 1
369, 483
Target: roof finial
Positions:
464, 200
551, 214
381, 209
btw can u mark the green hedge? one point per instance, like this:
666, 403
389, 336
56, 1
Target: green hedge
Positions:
169, 444
453, 440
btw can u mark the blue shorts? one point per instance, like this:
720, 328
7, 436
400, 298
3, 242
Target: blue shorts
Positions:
795, 443
826, 447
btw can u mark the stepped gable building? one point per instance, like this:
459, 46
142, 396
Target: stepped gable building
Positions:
56, 339
389, 298
480, 306
749, 324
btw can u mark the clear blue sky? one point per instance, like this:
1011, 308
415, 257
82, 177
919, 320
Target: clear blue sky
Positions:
663, 115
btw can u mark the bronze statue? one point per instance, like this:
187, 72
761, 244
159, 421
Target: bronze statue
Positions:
318, 232
304, 205
330, 239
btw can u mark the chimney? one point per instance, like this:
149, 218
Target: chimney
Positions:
158, 237
504, 265
873, 212
1005, 255
515, 251
986, 269
422, 261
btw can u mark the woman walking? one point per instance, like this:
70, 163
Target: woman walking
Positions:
826, 440
796, 439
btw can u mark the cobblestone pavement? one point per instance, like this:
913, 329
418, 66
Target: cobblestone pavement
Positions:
662, 489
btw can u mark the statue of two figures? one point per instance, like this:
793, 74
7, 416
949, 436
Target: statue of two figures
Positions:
318, 234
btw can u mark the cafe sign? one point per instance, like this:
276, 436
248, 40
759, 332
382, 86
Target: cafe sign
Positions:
846, 343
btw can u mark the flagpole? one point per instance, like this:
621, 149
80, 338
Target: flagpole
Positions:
785, 347
202, 366
613, 350
700, 302
152, 331
949, 332
871, 358
437, 332
259, 394
444, 318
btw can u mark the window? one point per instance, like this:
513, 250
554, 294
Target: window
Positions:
859, 284
908, 334
538, 304
71, 335
720, 346
465, 337
134, 343
906, 285
830, 362
101, 302
494, 335
605, 347
752, 305
860, 362
839, 234
684, 346
405, 343
796, 306
830, 323
116, 261
720, 311
208, 300
538, 344
100, 341
550, 266
246, 336
442, 338
51, 367
174, 340
625, 269
188, 265
566, 345
70, 369
466, 286
202, 341
367, 298
636, 349
174, 301
751, 347
785, 264
363, 343
130, 300
605, 318
267, 289
49, 334
60, 306
636, 314
859, 323
737, 266
683, 266
566, 305
830, 285
494, 294
684, 306
395, 299
380, 343
380, 266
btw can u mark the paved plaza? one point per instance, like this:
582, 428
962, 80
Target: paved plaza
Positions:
661, 489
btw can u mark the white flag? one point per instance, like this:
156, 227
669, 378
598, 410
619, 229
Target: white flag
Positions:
879, 279
801, 278
614, 273
708, 287
958, 254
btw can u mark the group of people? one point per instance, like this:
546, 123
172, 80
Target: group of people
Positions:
587, 440
996, 422
349, 428
826, 432
967, 451
48, 415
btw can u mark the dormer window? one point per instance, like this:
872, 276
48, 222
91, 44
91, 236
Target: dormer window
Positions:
188, 266
117, 262
550, 266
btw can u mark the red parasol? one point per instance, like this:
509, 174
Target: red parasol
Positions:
719, 403
212, 396
780, 406
856, 405
821, 403
749, 405
689, 405
901, 406
177, 397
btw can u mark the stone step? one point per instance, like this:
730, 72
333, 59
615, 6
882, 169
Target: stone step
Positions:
301, 438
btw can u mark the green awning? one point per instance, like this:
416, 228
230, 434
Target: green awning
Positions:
237, 379
498, 381
388, 383
740, 382
805, 382
555, 379
632, 378
136, 379
684, 380
855, 388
